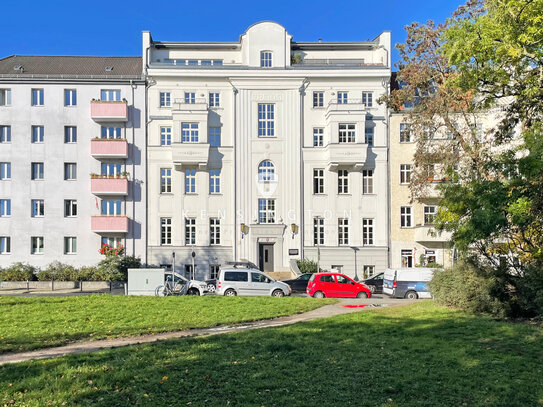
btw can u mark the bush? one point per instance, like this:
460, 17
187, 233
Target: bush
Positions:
307, 266
59, 272
530, 292
115, 268
18, 272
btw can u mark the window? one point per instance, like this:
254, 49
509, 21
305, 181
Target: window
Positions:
70, 208
190, 231
429, 257
266, 171
165, 136
236, 276
165, 180
266, 126
318, 231
367, 232
347, 133
214, 99
190, 97
37, 97
343, 231
215, 136
342, 97
111, 169
37, 134
70, 245
36, 171
318, 99
367, 99
368, 136
189, 132
215, 181
70, 171
431, 172
405, 173
165, 100
112, 241
318, 181
369, 271
5, 97
111, 207
5, 134
330, 278
192, 62
38, 208
214, 271
165, 231
36, 245
367, 181
190, 181
405, 217
405, 133
5, 171
343, 182
430, 213
407, 258
110, 95
5, 207
266, 59
266, 211
70, 97
70, 134
111, 132
318, 137
215, 231
5, 245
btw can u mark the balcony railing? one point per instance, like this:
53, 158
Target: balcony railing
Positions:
109, 223
346, 154
194, 105
190, 154
103, 185
427, 234
109, 148
114, 111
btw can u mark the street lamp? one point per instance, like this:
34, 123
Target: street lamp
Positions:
355, 249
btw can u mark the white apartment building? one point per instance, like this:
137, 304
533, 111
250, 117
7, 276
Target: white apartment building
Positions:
72, 158
267, 150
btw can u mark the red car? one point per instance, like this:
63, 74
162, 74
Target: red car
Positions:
335, 285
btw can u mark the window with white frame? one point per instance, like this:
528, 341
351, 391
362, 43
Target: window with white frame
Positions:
190, 181
36, 245
112, 241
190, 97
367, 182
5, 171
189, 132
318, 99
266, 211
37, 208
5, 208
36, 171
214, 181
405, 133
266, 171
214, 99
369, 271
430, 212
165, 180
318, 136
70, 245
70, 134
406, 220
110, 95
214, 231
343, 182
111, 207
165, 231
318, 231
266, 120
111, 132
347, 133
5, 97
111, 169
367, 99
5, 244
343, 231
165, 99
70, 97
37, 134
215, 136
367, 232
407, 258
70, 171
5, 134
70, 208
429, 257
342, 97
190, 231
405, 173
368, 136
266, 59
165, 136
318, 181
37, 97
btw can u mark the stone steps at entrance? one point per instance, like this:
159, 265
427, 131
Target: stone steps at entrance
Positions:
280, 275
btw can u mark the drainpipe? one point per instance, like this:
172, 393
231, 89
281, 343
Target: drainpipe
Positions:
133, 86
148, 84
302, 89
235, 242
389, 197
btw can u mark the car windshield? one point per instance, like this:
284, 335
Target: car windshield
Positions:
305, 277
178, 278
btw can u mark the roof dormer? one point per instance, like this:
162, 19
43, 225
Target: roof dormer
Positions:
266, 45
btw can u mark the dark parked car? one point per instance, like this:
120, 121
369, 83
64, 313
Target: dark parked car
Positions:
375, 283
299, 284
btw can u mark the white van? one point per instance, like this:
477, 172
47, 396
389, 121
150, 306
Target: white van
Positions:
409, 283
248, 281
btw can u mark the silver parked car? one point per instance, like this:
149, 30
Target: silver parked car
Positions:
239, 281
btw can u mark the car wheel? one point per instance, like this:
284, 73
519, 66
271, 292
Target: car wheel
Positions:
193, 291
362, 294
411, 295
278, 293
230, 293
211, 288
318, 294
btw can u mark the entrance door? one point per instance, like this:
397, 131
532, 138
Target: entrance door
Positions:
265, 254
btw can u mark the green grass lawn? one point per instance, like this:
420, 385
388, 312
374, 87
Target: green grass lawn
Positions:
419, 355
32, 323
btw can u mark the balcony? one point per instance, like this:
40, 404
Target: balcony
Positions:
430, 190
197, 105
109, 148
352, 106
427, 234
346, 154
109, 186
102, 111
190, 154
109, 224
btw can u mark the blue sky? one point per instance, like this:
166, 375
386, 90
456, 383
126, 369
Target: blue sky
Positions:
114, 27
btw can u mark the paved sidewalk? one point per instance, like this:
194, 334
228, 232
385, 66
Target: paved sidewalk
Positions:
93, 346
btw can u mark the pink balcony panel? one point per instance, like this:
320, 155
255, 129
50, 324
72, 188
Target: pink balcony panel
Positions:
109, 186
109, 111
109, 148
109, 224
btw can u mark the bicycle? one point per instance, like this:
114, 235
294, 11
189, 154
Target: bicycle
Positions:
167, 289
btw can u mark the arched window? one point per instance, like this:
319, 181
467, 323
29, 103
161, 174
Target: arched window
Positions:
266, 170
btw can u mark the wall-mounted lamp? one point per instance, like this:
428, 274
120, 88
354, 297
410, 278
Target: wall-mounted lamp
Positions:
294, 228
244, 229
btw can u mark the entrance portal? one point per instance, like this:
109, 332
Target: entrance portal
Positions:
265, 256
